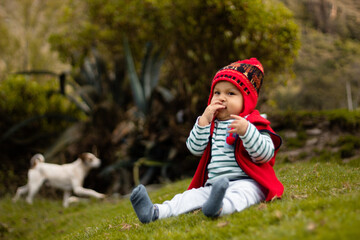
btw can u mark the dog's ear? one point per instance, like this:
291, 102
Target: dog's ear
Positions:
83, 157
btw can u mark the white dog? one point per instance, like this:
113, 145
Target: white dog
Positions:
68, 177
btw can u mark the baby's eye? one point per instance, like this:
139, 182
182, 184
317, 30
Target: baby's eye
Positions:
217, 92
231, 93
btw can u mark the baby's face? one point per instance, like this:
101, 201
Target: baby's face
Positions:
228, 95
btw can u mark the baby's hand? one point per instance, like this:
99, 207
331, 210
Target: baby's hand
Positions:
210, 112
239, 125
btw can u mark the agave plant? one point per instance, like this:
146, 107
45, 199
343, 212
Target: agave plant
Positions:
143, 86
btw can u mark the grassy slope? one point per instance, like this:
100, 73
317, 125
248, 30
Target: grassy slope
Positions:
321, 202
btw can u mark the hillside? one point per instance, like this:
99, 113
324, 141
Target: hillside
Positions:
326, 69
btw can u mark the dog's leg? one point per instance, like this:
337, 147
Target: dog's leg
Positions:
66, 197
80, 191
34, 183
20, 191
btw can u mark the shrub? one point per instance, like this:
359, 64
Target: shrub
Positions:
300, 120
24, 98
297, 142
348, 144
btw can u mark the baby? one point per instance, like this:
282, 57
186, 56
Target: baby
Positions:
237, 148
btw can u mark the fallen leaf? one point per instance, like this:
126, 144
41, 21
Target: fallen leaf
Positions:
311, 226
125, 226
262, 206
196, 211
278, 214
222, 224
347, 186
303, 196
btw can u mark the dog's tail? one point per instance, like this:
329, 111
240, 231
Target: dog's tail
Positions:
37, 158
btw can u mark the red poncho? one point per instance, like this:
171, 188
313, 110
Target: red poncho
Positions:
262, 173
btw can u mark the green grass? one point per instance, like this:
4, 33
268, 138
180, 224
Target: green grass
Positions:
321, 201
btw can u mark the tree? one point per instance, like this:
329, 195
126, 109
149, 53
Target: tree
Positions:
25, 27
196, 44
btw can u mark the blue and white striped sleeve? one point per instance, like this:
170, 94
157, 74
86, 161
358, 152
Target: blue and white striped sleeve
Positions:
259, 145
198, 139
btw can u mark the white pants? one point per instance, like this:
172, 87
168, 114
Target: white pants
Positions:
239, 195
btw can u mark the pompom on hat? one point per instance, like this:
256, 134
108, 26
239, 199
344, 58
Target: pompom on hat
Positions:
247, 75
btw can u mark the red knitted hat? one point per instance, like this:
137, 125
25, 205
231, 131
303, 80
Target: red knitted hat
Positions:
247, 75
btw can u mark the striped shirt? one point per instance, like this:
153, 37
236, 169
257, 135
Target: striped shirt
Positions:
223, 163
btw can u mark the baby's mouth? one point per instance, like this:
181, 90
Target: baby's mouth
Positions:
223, 109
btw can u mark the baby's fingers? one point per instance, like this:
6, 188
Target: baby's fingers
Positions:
217, 107
232, 130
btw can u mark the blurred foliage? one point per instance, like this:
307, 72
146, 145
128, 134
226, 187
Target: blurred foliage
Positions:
196, 44
342, 119
324, 65
297, 142
25, 26
142, 87
340, 17
23, 98
335, 17
328, 59
318, 135
7, 48
348, 145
